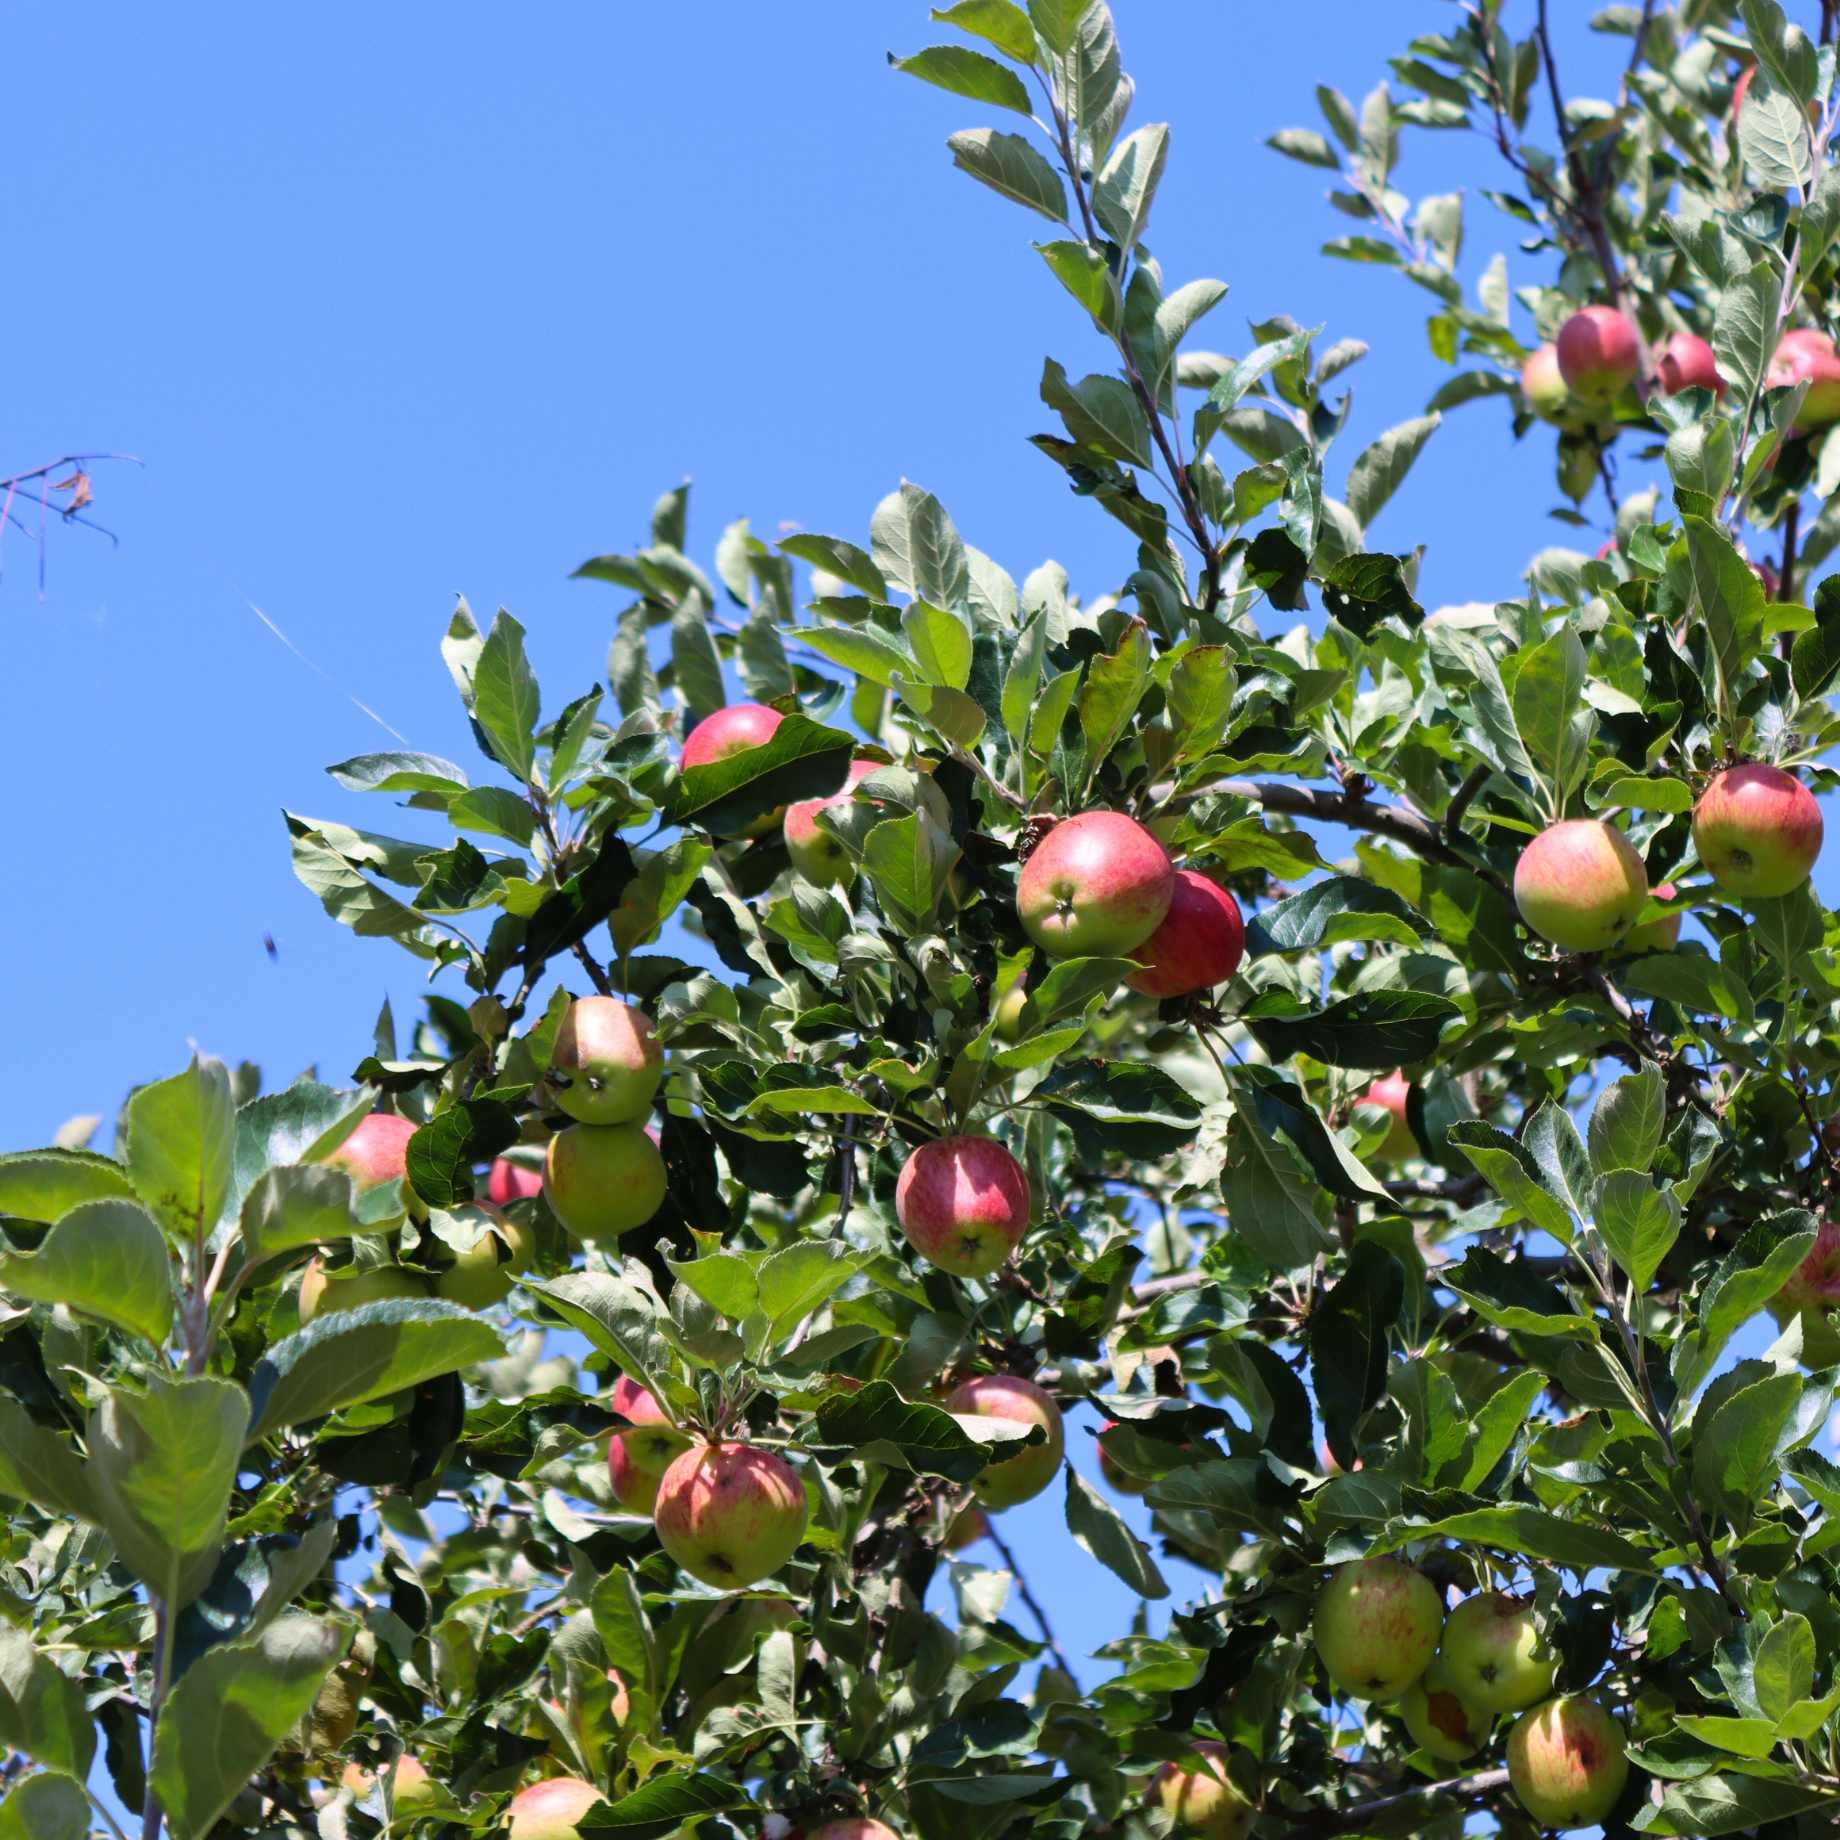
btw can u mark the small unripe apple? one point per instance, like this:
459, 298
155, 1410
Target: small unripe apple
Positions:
1812, 1292
1580, 884
550, 1810
637, 1459
1493, 1654
1199, 944
333, 1717
413, 1792
1599, 353
1202, 1803
1008, 1014
603, 1180
967, 1529
1121, 1480
1806, 353
1023, 1476
1440, 1720
729, 1514
1686, 362
376, 1150
963, 1203
1661, 935
1376, 1627
1758, 830
607, 1062
732, 731
484, 1274
1567, 1763
1391, 1093
1545, 389
507, 1181
815, 853
324, 1293
1098, 885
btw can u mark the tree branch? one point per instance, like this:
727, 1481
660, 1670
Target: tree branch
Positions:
1345, 1820
1028, 1597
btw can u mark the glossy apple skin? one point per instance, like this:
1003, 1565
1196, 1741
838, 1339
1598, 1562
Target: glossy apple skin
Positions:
815, 853
1580, 884
1021, 1477
1008, 1013
1440, 1720
729, 1514
964, 1204
1491, 1652
1098, 885
550, 1810
637, 1459
1567, 1763
1200, 943
322, 1294
1812, 1292
1391, 1094
603, 1180
1545, 389
1758, 830
1686, 363
1661, 935
1199, 1803
1599, 353
1804, 352
507, 1181
731, 731
376, 1150
1376, 1626
484, 1276
607, 1062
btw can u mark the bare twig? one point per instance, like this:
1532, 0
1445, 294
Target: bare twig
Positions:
1028, 1597
1343, 1820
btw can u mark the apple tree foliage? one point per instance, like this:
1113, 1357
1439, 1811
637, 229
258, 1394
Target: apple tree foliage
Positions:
252, 1569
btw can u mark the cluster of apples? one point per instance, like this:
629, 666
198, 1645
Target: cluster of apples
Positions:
1581, 885
1381, 1635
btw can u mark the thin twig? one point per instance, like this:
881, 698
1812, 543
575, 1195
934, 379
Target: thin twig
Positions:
1465, 795
1028, 1597
1341, 1820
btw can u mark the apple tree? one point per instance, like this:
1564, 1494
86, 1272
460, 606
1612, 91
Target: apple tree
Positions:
1379, 1066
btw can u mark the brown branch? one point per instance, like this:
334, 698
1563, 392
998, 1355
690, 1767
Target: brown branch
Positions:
1462, 799
1588, 198
1344, 1820
1028, 1597
1785, 575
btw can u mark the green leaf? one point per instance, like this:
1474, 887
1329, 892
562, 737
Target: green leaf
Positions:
1627, 1121
1549, 712
1057, 22
1734, 1451
1502, 1292
836, 557
1306, 145
1742, 1737
47, 1184
1072, 983
1721, 1804
1782, 1672
1349, 1338
876, 1424
1773, 137
657, 891
796, 1279
1782, 49
1638, 1221
1742, 1282
625, 1631
1381, 468
908, 860
668, 1802
293, 1207
1114, 687
968, 73
45, 1807
42, 1710
399, 772
505, 700
225, 1718
1023, 678
1121, 1107
997, 22
724, 1280
1009, 164
800, 760
917, 546
941, 644
1097, 1529
1509, 1168
181, 1137
694, 664
106, 1259
1126, 187
354, 1355
1282, 1219
619, 1318
1531, 1534
1101, 412
439, 1156
1377, 1029
1729, 596
1085, 274
1494, 1427
868, 654
161, 1463
38, 1467
1336, 909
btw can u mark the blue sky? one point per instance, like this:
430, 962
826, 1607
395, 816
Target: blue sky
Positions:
438, 306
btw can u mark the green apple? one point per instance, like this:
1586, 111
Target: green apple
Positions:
1567, 1763
1376, 1627
1203, 1802
603, 1180
607, 1062
1494, 1655
1581, 885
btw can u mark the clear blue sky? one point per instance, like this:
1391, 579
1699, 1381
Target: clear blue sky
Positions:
409, 303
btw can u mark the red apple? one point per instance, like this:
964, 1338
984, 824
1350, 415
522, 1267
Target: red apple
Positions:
324, 1293
637, 1459
1599, 353
484, 1274
550, 1810
970, 1526
1807, 353
1025, 1475
1097, 885
963, 1203
1567, 1762
607, 1062
1686, 363
1580, 884
508, 1181
1812, 1292
1758, 830
732, 731
729, 1514
603, 1180
815, 853
1199, 944
1545, 390
1391, 1094
376, 1150
1203, 1802
1661, 935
